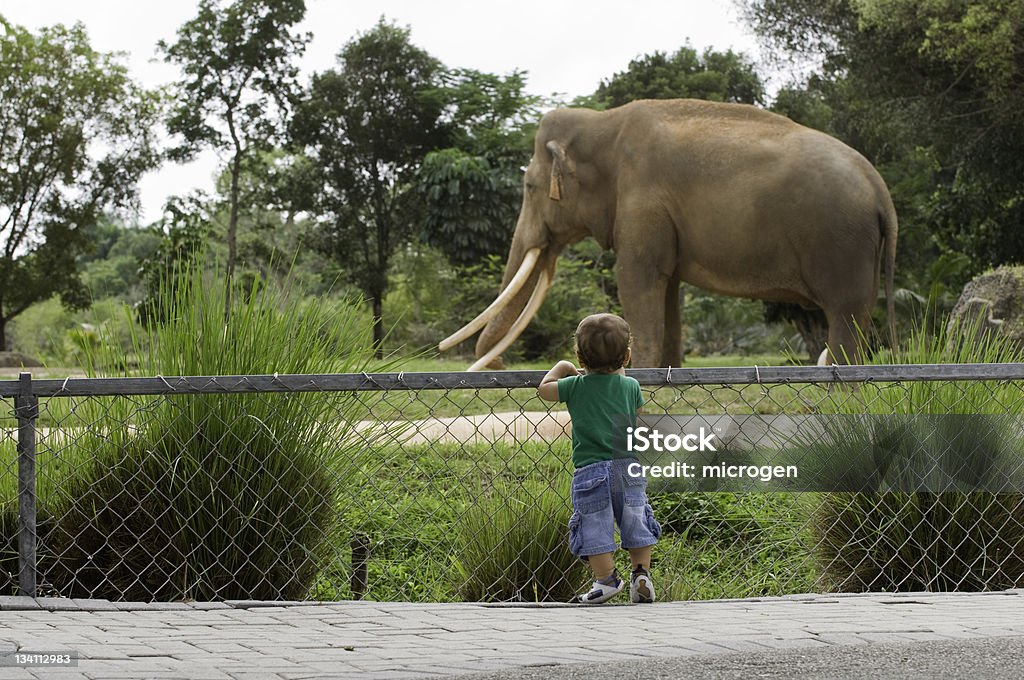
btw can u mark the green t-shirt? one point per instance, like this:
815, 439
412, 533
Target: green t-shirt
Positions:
594, 401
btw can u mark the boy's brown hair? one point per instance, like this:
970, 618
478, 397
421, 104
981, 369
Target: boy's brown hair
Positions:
602, 342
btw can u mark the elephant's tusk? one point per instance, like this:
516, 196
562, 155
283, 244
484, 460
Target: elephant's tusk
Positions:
534, 303
500, 302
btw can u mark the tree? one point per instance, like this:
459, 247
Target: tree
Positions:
239, 83
75, 136
367, 126
472, 190
183, 233
940, 79
715, 76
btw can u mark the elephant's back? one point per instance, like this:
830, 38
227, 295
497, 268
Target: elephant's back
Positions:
706, 115
694, 139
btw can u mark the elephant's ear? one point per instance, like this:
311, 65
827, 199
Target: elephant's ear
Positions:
559, 166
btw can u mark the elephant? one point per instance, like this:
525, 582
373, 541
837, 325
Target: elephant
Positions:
730, 198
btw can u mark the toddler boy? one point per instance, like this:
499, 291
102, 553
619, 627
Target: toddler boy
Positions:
603, 493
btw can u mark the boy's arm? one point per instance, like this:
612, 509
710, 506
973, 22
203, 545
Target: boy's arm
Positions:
548, 389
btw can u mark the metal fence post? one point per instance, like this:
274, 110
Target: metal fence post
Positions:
360, 559
26, 409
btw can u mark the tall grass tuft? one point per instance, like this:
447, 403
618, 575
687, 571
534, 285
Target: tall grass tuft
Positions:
513, 545
214, 497
929, 540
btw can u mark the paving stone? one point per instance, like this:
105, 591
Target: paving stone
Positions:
248, 640
88, 606
56, 604
17, 603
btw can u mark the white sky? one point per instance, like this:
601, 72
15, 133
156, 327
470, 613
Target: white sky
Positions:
566, 47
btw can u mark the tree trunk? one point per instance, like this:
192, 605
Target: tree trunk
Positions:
3, 334
236, 170
378, 325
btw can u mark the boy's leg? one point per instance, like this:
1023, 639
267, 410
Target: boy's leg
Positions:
602, 565
592, 530
640, 558
638, 529
607, 583
641, 588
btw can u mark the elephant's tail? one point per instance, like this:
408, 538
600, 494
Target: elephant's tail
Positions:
890, 229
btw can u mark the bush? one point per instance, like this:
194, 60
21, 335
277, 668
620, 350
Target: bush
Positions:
212, 496
513, 546
430, 299
921, 541
899, 541
719, 324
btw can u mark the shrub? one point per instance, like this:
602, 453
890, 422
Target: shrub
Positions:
431, 299
899, 541
513, 545
213, 496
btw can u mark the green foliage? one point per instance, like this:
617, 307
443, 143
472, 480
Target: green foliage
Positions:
513, 545
367, 126
183, 231
240, 78
491, 115
716, 324
57, 337
237, 59
924, 541
805, 105
721, 545
113, 268
472, 190
472, 205
715, 76
40, 331
896, 541
421, 299
77, 134
212, 496
940, 78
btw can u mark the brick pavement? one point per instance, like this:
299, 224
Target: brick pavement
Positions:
288, 641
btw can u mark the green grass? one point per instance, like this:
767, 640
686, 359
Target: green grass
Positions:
417, 505
929, 539
204, 496
415, 502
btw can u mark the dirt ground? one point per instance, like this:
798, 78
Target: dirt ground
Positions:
512, 426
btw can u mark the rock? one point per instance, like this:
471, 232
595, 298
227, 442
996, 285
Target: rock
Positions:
17, 360
992, 303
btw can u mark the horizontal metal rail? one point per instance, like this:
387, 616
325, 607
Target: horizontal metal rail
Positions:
344, 382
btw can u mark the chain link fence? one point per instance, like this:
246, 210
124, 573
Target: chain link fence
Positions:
455, 486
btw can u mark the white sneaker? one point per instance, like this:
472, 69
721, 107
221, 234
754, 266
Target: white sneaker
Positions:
641, 588
600, 593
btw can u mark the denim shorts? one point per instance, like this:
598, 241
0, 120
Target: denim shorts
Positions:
603, 495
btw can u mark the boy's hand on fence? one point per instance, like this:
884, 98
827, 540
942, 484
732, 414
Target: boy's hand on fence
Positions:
548, 389
566, 369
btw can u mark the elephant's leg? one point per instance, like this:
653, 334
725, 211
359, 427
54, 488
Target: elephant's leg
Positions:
672, 349
642, 293
846, 331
